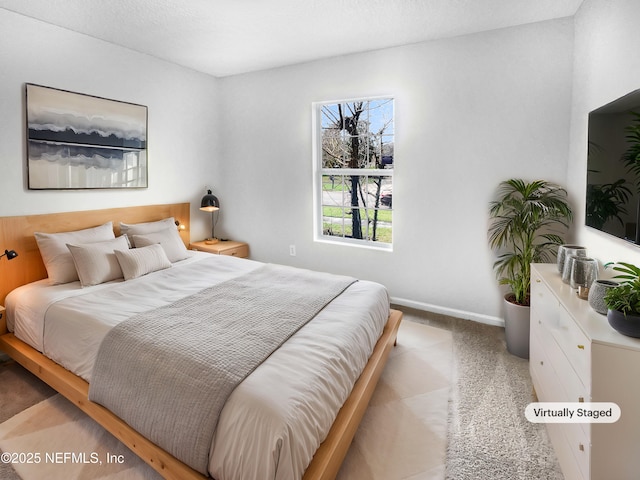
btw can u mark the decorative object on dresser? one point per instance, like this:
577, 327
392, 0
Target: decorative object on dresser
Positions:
623, 301
223, 247
562, 254
526, 222
10, 254
210, 203
577, 357
568, 261
597, 292
584, 271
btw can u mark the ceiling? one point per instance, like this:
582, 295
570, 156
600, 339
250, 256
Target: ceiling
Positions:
227, 37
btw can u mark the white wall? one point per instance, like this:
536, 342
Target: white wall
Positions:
607, 66
182, 113
470, 111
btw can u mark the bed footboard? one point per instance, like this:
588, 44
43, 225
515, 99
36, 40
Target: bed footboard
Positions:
325, 464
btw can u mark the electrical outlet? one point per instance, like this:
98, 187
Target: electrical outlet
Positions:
292, 250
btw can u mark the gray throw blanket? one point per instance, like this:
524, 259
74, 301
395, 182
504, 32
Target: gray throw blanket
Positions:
169, 372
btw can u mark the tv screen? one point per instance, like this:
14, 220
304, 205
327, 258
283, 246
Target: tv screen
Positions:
613, 168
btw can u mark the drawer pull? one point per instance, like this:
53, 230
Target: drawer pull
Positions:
581, 399
581, 447
541, 362
537, 280
235, 253
581, 347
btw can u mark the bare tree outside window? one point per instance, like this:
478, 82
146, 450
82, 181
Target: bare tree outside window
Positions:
356, 143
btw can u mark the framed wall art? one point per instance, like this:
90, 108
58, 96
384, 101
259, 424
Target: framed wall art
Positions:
78, 141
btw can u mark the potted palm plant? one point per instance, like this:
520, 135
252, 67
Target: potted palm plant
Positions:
527, 221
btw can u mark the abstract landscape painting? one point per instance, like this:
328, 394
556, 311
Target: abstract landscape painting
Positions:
77, 141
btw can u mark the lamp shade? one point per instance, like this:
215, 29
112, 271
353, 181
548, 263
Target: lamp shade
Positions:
10, 254
209, 202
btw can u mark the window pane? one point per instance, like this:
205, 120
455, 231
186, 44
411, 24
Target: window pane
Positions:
333, 188
383, 226
333, 222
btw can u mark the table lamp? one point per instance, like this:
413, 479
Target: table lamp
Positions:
210, 203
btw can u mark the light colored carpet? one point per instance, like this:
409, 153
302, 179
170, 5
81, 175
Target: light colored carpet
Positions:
489, 436
402, 436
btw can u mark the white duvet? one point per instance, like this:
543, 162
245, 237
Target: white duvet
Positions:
274, 421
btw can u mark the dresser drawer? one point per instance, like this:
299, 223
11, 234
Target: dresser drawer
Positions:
544, 304
575, 345
573, 388
580, 445
539, 327
545, 379
227, 247
565, 451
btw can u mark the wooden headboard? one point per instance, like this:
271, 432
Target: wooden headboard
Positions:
16, 233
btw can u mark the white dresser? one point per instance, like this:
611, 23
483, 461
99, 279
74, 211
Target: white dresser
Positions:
576, 356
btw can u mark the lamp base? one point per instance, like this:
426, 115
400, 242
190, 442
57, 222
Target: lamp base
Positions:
211, 241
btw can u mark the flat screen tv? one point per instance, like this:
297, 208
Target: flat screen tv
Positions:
613, 168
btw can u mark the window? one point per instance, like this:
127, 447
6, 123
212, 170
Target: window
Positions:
353, 182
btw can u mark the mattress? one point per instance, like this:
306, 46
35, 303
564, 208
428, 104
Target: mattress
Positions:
274, 421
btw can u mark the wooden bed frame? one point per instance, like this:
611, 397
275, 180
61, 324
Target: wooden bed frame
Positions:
17, 233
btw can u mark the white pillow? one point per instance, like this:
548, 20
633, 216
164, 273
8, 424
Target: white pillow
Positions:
169, 239
56, 256
142, 260
131, 229
96, 262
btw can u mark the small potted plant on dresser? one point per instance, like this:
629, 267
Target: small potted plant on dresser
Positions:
526, 222
623, 301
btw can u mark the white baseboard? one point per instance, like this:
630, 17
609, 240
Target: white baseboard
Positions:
452, 312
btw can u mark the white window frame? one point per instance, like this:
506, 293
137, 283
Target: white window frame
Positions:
319, 172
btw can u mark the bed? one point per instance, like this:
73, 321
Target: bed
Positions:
71, 371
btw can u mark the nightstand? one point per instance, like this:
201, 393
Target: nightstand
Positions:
227, 247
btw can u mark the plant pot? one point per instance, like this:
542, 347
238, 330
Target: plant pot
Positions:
628, 325
516, 327
596, 294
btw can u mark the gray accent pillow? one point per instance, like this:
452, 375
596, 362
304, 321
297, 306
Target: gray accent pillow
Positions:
142, 260
131, 229
169, 239
56, 256
96, 262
